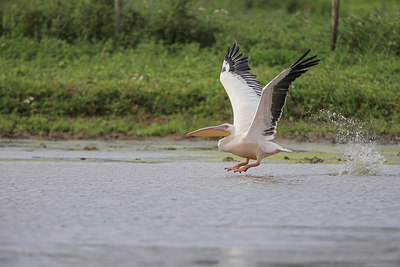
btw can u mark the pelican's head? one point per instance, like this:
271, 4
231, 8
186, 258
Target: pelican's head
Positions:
225, 129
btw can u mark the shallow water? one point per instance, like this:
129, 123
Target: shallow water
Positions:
172, 203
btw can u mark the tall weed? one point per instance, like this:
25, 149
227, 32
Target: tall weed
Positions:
72, 21
177, 23
376, 31
93, 21
163, 71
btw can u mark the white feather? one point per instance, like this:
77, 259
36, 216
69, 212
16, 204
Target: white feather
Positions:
262, 117
244, 99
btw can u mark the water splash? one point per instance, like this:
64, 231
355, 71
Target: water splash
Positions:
347, 130
363, 159
361, 153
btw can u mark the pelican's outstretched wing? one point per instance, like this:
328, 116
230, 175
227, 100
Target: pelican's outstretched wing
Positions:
273, 97
241, 86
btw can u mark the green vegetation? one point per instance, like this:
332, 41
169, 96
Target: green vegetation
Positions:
62, 72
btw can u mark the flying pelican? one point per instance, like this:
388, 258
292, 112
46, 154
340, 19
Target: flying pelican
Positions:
256, 110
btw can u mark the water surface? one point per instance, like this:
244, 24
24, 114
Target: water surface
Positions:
172, 203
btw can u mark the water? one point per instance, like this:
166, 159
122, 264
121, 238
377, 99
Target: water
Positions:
363, 160
362, 156
172, 203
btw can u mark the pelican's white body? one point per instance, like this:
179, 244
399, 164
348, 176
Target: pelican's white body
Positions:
255, 148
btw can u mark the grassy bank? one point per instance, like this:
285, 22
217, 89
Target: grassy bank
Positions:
157, 81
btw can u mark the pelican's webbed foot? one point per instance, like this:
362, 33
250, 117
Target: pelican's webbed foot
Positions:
237, 166
245, 168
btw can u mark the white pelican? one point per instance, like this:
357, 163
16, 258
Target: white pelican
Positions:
256, 110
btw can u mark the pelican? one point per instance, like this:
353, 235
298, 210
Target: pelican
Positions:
256, 110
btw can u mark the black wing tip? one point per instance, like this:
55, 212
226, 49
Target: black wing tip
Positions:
303, 56
310, 64
233, 49
239, 64
231, 52
233, 55
302, 63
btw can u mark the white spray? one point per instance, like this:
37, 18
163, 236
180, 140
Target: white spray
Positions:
362, 156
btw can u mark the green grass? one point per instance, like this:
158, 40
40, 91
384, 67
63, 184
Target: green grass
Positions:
153, 86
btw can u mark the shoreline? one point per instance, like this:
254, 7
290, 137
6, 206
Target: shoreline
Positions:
298, 138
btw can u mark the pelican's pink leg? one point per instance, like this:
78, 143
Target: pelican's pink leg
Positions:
245, 168
236, 167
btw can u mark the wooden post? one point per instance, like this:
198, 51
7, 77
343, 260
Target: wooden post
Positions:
334, 22
117, 8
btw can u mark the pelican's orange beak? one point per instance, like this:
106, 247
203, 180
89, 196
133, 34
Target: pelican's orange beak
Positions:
212, 131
